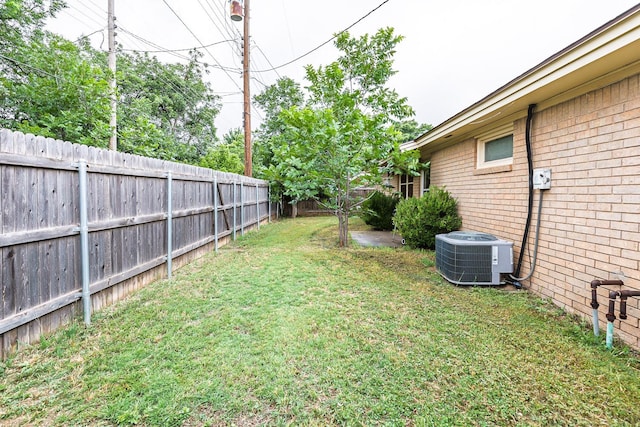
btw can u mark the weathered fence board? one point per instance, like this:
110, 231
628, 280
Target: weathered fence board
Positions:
127, 212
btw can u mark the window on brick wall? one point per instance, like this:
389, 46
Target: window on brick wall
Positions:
425, 180
406, 186
496, 148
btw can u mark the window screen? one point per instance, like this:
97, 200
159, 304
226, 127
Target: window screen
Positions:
501, 148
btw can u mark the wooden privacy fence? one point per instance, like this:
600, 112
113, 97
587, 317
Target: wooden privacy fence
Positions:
81, 226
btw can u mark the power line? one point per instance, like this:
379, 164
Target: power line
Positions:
265, 57
189, 49
327, 42
149, 43
202, 44
101, 30
85, 15
174, 52
72, 16
217, 26
99, 15
15, 61
97, 6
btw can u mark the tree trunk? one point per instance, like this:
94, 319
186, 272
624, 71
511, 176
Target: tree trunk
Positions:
294, 210
343, 229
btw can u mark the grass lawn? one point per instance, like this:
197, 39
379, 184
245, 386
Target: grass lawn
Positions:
283, 328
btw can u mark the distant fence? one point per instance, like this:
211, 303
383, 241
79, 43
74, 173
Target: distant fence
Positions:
314, 208
82, 227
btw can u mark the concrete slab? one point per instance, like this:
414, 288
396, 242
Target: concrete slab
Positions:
377, 238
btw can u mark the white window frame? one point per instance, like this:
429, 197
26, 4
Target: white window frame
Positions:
403, 188
423, 176
490, 136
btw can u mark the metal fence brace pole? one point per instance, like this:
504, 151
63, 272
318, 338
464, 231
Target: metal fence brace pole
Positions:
215, 212
269, 201
169, 224
234, 210
241, 208
258, 204
84, 242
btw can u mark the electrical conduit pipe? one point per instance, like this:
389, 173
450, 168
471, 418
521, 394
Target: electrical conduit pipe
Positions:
525, 235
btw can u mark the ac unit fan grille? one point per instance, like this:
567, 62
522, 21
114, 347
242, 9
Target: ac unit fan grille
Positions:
468, 264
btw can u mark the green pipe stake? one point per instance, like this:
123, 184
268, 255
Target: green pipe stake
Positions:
609, 335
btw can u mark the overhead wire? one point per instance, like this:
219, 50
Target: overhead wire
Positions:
220, 23
101, 30
74, 17
97, 6
220, 11
173, 52
99, 15
95, 21
40, 70
328, 41
187, 49
234, 39
217, 17
268, 61
136, 40
225, 28
201, 44
286, 20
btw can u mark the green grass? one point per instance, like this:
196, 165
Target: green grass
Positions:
283, 328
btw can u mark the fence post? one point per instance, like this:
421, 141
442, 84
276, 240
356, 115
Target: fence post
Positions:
234, 210
84, 242
169, 224
215, 212
258, 204
269, 201
241, 208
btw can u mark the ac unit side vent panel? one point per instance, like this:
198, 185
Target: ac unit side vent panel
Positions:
471, 258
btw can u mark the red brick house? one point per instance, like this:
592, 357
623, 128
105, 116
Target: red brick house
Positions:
583, 109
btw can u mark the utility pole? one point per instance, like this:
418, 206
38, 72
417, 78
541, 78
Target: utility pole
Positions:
113, 121
247, 96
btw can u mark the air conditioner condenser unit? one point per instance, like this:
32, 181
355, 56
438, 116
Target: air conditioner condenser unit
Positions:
473, 258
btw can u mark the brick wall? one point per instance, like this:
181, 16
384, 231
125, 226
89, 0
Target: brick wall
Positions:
591, 216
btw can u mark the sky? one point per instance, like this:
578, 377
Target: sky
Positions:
454, 52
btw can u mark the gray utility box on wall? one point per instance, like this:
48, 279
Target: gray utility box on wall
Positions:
473, 258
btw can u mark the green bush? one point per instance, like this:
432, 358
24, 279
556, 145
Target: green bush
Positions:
378, 210
419, 220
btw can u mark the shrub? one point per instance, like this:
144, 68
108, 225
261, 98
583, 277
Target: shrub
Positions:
378, 210
419, 220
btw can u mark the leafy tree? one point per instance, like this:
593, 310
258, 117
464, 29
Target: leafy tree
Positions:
282, 95
48, 85
337, 142
410, 129
54, 89
227, 156
172, 98
22, 21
